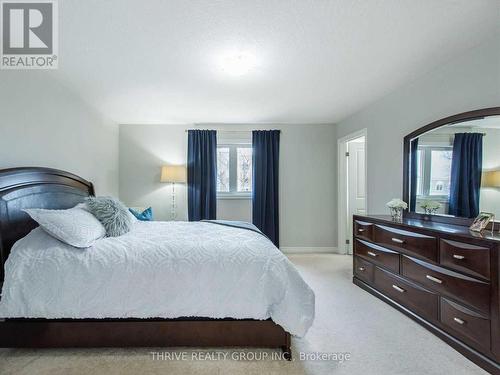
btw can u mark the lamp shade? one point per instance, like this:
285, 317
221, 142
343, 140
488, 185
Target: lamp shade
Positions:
173, 173
491, 179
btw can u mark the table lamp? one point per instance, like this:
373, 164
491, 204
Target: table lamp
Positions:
491, 179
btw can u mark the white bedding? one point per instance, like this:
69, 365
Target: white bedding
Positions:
159, 269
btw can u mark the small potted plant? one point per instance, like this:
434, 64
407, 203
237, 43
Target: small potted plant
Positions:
397, 206
430, 207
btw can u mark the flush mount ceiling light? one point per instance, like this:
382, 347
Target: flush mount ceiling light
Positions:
238, 63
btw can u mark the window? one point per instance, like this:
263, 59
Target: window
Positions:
234, 170
222, 169
244, 169
434, 171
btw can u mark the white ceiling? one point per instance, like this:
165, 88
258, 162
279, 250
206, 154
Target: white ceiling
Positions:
318, 61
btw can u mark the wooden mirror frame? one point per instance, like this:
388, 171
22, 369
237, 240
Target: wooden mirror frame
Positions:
461, 117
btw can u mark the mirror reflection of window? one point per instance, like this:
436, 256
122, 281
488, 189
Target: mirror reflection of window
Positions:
440, 172
434, 171
420, 168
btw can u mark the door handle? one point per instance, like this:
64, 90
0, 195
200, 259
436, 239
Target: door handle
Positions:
399, 289
435, 279
456, 256
361, 230
397, 240
459, 321
361, 269
372, 254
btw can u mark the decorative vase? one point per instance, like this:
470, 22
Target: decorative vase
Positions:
430, 211
396, 213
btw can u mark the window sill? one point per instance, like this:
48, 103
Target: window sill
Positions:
241, 196
436, 198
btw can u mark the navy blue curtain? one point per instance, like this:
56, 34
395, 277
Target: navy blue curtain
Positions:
202, 174
413, 173
265, 160
466, 169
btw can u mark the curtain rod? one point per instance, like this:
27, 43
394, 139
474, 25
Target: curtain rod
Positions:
229, 131
447, 134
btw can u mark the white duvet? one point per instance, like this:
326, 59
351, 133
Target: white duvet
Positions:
159, 269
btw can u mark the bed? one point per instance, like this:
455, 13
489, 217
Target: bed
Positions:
139, 289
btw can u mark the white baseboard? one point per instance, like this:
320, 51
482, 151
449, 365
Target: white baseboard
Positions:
308, 250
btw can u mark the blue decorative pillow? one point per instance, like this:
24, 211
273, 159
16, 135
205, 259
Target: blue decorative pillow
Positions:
112, 213
146, 215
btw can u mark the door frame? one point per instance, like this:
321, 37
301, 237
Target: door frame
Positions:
342, 185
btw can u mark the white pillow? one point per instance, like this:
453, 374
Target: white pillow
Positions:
76, 226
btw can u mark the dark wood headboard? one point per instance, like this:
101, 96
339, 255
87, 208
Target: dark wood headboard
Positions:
34, 187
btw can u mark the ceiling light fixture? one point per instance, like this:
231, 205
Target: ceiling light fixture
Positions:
238, 64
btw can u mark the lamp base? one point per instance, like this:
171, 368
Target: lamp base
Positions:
172, 212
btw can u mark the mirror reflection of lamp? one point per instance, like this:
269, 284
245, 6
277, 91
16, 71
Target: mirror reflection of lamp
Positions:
173, 174
491, 179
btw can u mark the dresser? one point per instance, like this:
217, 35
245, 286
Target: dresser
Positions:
441, 275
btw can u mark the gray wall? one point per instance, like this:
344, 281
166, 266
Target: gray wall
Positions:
470, 81
308, 184
44, 124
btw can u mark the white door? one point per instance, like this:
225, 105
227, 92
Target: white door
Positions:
356, 184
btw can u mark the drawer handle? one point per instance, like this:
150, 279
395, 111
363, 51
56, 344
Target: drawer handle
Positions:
435, 279
361, 269
399, 289
459, 321
456, 256
361, 230
372, 254
397, 240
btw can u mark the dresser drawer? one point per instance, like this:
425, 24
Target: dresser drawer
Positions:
460, 287
471, 259
411, 243
462, 322
363, 229
416, 298
363, 269
377, 254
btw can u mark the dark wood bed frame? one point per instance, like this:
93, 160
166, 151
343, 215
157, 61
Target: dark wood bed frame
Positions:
54, 189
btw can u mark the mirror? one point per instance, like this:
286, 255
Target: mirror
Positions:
452, 166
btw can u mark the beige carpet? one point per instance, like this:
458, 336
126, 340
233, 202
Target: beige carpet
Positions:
380, 340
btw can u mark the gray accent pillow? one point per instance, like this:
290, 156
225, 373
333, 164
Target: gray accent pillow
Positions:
75, 226
112, 213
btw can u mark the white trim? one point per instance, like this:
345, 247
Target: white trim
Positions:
308, 250
241, 196
342, 181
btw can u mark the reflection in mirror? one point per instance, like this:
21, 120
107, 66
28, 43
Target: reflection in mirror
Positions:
455, 169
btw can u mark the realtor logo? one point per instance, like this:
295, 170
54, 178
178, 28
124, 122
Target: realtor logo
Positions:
29, 34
